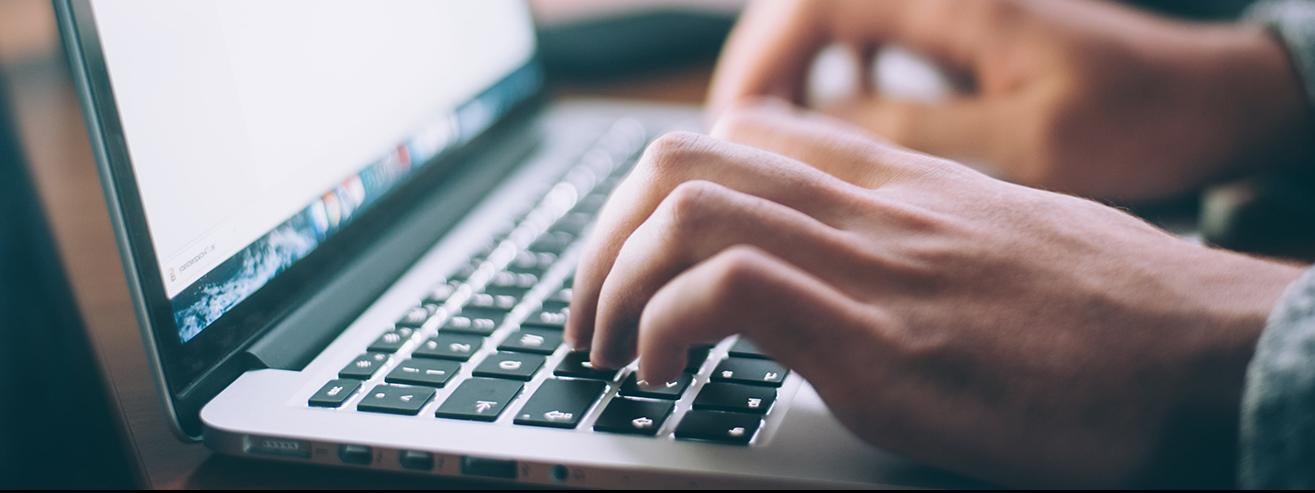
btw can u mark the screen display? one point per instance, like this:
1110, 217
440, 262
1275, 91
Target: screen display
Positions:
259, 128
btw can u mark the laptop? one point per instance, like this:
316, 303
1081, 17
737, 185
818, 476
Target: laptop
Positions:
350, 229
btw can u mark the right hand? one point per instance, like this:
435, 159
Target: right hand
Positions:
1084, 97
998, 331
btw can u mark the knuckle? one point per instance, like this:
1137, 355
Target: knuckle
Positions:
690, 206
672, 150
738, 269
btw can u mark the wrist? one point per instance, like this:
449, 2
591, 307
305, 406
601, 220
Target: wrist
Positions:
1234, 298
1247, 75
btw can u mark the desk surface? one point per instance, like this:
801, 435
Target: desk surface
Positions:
54, 136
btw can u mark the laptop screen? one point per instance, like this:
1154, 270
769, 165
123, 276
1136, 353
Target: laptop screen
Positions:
258, 129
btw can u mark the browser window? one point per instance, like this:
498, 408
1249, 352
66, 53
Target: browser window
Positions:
258, 128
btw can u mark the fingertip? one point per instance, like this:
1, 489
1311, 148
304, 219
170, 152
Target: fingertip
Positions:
653, 377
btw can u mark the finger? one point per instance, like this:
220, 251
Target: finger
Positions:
674, 159
695, 222
784, 310
852, 153
864, 53
770, 49
767, 53
957, 129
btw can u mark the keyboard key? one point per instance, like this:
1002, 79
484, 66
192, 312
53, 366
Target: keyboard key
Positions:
546, 320
718, 426
479, 399
455, 347
574, 223
492, 245
633, 416
415, 317
744, 348
532, 262
532, 341
441, 293
513, 280
334, 393
426, 372
364, 366
562, 295
750, 371
512, 291
696, 357
464, 272
551, 305
478, 325
553, 242
669, 390
749, 399
560, 403
394, 399
591, 203
534, 270
485, 302
576, 365
391, 341
515, 366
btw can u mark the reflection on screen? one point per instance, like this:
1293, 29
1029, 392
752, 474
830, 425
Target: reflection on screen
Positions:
258, 128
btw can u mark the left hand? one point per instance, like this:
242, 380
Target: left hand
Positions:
1003, 332
1082, 96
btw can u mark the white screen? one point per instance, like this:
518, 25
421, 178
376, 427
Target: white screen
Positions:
238, 113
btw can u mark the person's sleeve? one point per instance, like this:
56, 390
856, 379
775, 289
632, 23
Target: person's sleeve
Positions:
1277, 442
1269, 212
1293, 22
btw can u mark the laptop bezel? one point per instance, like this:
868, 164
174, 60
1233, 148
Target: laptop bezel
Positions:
189, 374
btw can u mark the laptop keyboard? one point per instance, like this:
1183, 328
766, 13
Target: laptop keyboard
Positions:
480, 339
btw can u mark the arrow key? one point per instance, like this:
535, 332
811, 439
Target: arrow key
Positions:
672, 390
560, 403
633, 416
479, 399
395, 399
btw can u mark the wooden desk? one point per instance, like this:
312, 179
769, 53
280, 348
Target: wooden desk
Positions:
56, 141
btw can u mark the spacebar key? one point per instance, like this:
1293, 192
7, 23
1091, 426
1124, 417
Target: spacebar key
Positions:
560, 403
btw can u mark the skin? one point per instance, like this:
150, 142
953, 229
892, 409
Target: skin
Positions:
1099, 350
1091, 98
1007, 333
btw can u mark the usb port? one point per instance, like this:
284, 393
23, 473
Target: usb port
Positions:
488, 468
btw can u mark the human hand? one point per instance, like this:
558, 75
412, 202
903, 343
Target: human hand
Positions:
1085, 97
999, 331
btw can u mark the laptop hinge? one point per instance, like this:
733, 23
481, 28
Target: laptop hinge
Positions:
299, 337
